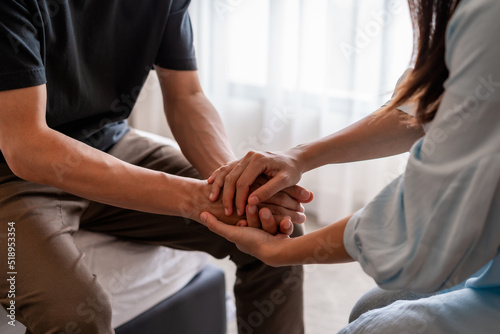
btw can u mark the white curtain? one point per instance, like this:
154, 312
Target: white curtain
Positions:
284, 72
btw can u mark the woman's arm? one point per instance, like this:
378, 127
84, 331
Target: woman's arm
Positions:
322, 246
375, 136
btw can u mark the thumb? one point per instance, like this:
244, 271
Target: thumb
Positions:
226, 231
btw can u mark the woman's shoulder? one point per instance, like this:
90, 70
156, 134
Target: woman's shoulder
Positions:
475, 10
475, 15
473, 44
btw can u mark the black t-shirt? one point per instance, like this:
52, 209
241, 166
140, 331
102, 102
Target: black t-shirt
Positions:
93, 55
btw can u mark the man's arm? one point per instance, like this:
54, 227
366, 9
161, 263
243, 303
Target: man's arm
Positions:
36, 153
195, 123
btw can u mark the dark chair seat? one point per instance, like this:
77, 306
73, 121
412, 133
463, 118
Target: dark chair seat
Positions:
200, 307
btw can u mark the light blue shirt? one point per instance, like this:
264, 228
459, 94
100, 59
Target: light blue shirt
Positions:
439, 222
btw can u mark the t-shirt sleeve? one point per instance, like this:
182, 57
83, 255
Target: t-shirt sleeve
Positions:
21, 52
437, 224
177, 50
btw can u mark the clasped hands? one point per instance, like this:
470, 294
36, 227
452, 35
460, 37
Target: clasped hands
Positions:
261, 189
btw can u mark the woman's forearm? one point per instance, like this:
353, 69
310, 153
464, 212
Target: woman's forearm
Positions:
322, 246
375, 136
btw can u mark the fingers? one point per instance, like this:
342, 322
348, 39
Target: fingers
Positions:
268, 190
296, 217
230, 182
238, 189
286, 226
212, 177
249, 173
284, 200
275, 224
223, 181
264, 219
300, 194
217, 181
268, 221
252, 217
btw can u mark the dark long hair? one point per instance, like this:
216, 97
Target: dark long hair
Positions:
425, 85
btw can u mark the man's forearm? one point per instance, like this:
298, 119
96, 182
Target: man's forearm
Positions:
54, 159
198, 129
375, 136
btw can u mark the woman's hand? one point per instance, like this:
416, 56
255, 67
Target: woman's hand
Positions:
266, 247
235, 180
322, 246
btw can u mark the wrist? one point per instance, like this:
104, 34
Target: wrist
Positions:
316, 154
193, 199
301, 157
285, 254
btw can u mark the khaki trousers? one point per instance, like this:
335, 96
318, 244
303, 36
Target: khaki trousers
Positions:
52, 282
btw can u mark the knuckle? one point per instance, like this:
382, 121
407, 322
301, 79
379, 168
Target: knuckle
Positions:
228, 179
257, 157
250, 154
286, 178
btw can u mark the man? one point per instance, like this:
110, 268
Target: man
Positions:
70, 73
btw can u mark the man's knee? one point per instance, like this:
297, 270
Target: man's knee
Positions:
94, 313
78, 311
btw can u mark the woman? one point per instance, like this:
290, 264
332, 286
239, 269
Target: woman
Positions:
438, 223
